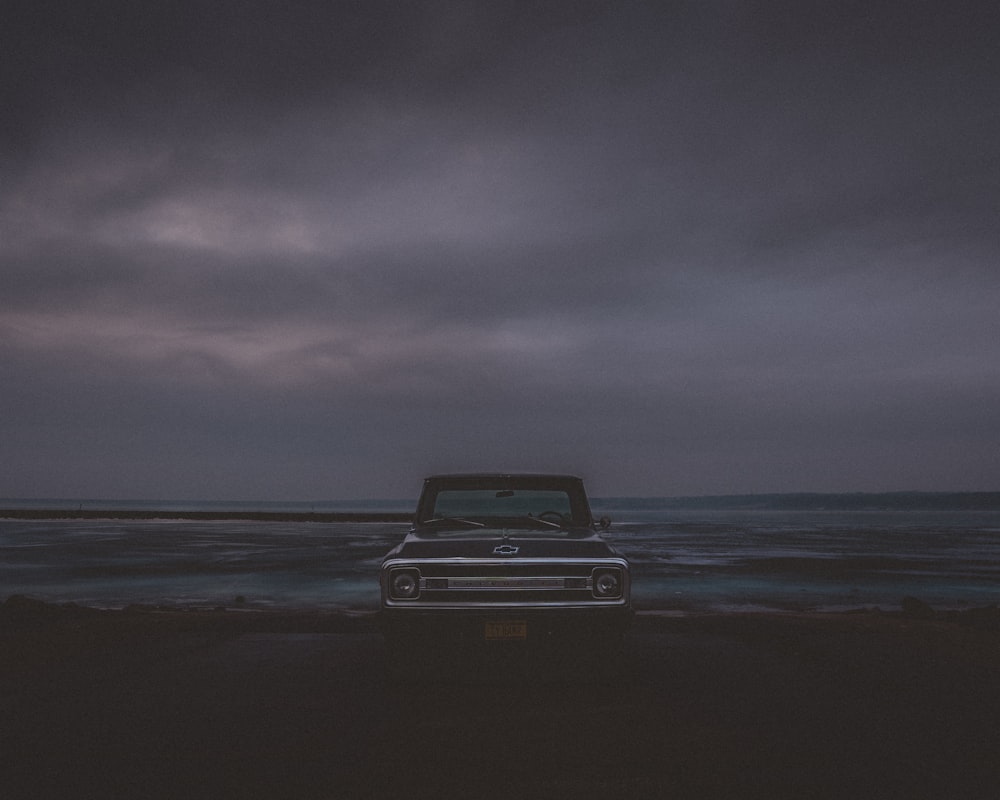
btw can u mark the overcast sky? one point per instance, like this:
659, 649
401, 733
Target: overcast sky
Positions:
306, 251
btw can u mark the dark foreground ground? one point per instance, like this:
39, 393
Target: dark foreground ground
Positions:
219, 704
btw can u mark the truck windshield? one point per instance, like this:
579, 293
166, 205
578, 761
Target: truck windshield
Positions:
506, 503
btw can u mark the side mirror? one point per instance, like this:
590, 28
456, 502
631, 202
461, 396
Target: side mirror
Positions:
604, 522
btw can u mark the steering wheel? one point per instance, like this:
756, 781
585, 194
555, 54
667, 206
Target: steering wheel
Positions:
558, 517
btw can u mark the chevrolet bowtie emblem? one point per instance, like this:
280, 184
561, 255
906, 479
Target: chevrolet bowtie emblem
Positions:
505, 550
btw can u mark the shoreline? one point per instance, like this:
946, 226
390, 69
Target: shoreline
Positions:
18, 609
301, 705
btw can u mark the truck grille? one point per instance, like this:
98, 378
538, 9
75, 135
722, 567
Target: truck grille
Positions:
507, 583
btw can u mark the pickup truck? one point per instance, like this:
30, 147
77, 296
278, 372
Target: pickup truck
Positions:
504, 560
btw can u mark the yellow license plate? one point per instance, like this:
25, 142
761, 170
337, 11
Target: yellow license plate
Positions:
511, 629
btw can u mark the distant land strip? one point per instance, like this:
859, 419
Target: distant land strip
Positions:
813, 501
250, 516
801, 501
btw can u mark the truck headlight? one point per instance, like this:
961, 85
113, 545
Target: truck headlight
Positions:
607, 583
404, 584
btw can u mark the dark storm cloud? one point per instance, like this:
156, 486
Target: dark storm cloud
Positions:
254, 249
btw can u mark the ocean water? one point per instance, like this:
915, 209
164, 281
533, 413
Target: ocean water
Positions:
810, 560
683, 560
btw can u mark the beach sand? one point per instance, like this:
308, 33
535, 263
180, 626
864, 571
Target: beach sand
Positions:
232, 704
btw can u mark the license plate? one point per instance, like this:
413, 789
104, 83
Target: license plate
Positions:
511, 629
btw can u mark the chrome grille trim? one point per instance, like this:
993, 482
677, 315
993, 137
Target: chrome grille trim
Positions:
509, 583
496, 584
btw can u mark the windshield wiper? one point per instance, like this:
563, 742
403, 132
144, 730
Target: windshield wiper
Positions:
547, 523
454, 520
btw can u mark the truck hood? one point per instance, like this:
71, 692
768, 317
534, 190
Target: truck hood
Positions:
483, 543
